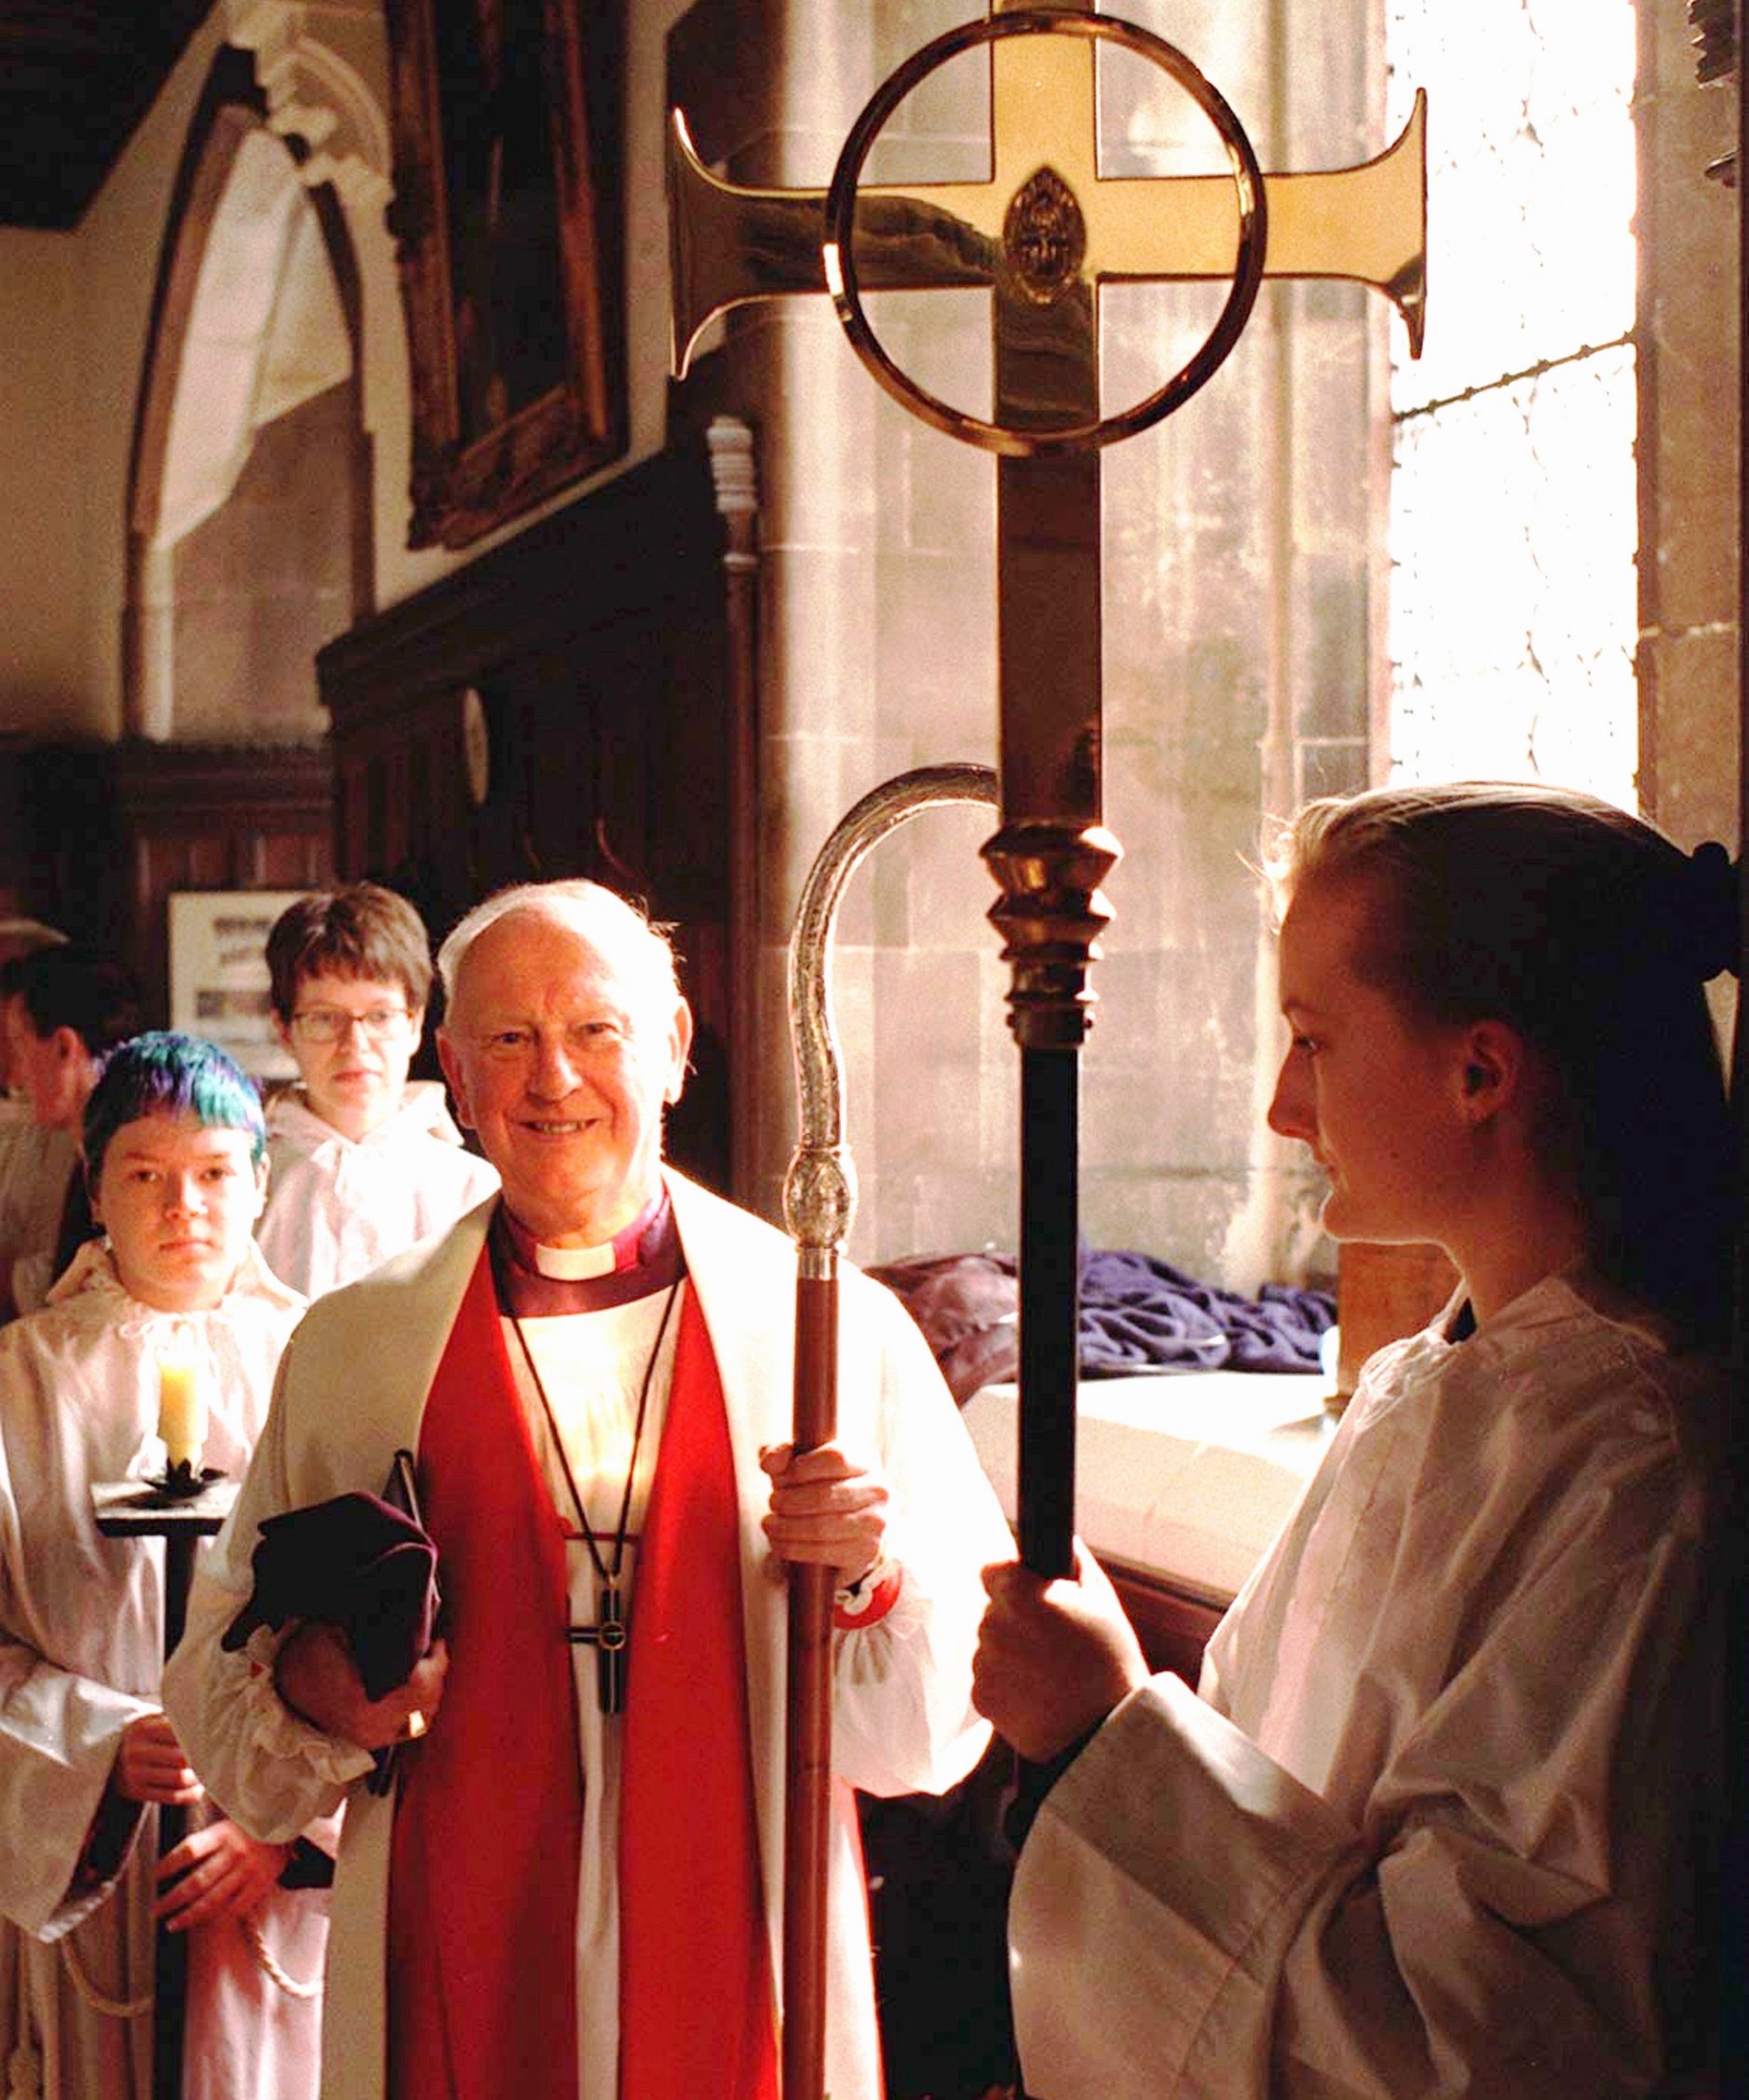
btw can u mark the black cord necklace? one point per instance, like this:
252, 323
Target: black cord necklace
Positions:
610, 1633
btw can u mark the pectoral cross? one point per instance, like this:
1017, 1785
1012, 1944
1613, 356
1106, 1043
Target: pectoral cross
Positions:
1043, 233
608, 1637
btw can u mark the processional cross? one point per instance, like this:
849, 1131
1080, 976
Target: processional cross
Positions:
1042, 234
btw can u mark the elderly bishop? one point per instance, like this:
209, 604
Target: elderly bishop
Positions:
573, 1886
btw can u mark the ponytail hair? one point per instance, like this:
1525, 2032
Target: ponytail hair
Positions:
1591, 934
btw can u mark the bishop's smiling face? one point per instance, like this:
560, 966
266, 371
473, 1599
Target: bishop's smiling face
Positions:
561, 1056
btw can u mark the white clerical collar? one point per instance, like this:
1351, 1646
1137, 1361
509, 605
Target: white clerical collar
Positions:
576, 1262
537, 1280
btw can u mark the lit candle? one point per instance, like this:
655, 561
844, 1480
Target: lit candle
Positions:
181, 1412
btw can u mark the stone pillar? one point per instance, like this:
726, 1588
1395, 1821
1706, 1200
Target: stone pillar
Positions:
1689, 368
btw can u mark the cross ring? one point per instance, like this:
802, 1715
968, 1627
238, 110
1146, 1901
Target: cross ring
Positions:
1061, 249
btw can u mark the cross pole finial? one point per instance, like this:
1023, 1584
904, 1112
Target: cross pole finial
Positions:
732, 244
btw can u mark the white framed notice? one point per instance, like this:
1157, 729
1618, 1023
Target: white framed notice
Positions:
219, 979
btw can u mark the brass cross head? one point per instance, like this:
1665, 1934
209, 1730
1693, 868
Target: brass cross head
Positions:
1045, 230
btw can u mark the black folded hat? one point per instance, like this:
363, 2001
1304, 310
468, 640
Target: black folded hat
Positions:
355, 1562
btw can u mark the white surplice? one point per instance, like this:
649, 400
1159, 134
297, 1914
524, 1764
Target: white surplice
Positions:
352, 1390
339, 1207
80, 1659
1428, 1828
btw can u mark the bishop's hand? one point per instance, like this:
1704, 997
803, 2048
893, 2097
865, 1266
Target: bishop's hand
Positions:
1053, 1656
828, 1507
316, 1677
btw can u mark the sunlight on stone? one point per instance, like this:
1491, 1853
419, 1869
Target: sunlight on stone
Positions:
1513, 525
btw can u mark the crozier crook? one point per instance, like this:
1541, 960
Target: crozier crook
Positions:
819, 1204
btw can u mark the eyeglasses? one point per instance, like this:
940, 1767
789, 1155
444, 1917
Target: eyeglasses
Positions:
332, 1025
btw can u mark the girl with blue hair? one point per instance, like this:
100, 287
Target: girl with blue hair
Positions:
174, 1148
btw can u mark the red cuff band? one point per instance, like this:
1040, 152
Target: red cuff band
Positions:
867, 1603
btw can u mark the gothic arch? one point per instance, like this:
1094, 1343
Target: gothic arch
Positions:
249, 540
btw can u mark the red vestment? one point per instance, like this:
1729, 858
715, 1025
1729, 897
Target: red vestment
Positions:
488, 1818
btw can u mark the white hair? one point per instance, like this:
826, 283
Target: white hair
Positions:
601, 916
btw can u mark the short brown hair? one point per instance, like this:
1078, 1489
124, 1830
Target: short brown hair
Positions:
361, 930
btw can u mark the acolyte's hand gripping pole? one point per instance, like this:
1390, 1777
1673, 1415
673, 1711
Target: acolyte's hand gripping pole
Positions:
819, 1204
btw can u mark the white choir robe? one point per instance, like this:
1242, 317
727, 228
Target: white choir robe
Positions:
1426, 1829
338, 1207
81, 1658
352, 1389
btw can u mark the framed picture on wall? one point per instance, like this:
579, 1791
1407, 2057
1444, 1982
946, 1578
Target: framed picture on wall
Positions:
509, 224
219, 982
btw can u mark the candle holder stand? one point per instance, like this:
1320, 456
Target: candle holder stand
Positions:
181, 1505
181, 1482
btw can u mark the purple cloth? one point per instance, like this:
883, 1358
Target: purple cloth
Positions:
1141, 1314
1137, 1314
968, 1309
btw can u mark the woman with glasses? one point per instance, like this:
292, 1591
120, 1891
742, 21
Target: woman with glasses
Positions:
364, 1161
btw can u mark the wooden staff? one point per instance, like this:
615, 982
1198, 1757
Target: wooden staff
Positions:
819, 1203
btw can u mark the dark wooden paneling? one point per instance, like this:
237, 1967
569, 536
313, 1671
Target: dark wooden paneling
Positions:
73, 861
110, 830
597, 642
75, 77
17, 889
206, 818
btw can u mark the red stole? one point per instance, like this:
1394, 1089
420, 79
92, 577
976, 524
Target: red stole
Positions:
489, 1810
697, 2009
482, 1887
